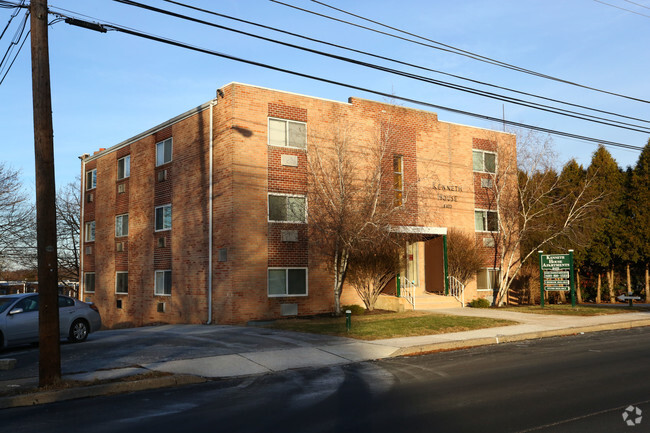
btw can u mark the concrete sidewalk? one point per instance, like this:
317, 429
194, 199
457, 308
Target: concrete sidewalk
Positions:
271, 351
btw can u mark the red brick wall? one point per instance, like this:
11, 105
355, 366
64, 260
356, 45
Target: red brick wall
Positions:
245, 170
484, 199
186, 247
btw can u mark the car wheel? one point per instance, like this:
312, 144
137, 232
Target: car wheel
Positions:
78, 331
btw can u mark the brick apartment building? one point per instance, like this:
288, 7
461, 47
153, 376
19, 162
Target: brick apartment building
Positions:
195, 221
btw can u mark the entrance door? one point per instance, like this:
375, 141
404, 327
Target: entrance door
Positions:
434, 266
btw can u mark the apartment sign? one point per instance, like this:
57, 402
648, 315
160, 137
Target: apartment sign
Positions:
556, 271
447, 194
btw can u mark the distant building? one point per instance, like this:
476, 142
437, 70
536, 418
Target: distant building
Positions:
183, 223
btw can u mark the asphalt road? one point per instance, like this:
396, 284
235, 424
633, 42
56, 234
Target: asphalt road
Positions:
572, 384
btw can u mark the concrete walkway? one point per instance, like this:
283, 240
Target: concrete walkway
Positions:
271, 350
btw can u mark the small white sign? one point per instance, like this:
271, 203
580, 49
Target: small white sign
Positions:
289, 160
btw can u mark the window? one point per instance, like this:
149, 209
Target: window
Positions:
163, 283
124, 167
90, 231
89, 282
484, 161
122, 282
28, 304
91, 179
287, 282
487, 279
411, 271
163, 152
287, 133
122, 225
398, 180
486, 221
287, 208
164, 217
64, 302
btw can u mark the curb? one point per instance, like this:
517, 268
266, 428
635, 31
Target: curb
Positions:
488, 341
43, 397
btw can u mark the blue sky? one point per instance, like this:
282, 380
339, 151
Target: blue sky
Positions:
109, 87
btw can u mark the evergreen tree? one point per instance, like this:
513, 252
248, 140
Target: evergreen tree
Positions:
606, 224
640, 209
628, 244
573, 177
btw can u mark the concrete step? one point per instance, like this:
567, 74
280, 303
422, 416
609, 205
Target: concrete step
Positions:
432, 302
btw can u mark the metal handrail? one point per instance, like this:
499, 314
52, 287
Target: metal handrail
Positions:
408, 291
457, 289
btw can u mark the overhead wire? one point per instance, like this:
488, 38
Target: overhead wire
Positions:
14, 59
12, 45
457, 51
11, 18
180, 44
517, 101
621, 8
637, 4
393, 60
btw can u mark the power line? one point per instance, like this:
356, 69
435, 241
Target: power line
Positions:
637, 4
623, 9
366, 53
14, 42
11, 18
517, 101
14, 59
358, 88
458, 51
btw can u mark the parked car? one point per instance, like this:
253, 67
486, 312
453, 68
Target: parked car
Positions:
19, 319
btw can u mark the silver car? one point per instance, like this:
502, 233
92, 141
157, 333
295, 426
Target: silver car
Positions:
19, 319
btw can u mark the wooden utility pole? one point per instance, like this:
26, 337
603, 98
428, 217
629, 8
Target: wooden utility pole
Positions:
49, 370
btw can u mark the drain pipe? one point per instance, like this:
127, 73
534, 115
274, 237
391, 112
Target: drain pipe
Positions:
212, 103
82, 229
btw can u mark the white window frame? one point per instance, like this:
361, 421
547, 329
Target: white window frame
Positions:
92, 184
155, 218
121, 224
415, 267
86, 274
483, 153
89, 233
486, 221
286, 288
287, 122
278, 194
127, 282
489, 280
161, 145
155, 283
126, 167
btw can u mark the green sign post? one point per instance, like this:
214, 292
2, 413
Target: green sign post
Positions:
556, 274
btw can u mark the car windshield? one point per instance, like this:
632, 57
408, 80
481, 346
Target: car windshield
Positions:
5, 302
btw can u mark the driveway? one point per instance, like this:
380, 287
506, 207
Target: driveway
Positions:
154, 344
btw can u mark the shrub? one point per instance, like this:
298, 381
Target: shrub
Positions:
480, 303
356, 309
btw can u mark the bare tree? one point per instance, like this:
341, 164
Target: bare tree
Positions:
463, 257
531, 211
352, 195
17, 222
68, 213
371, 269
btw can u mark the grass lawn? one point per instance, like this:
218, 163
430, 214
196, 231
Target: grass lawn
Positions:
389, 325
579, 310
